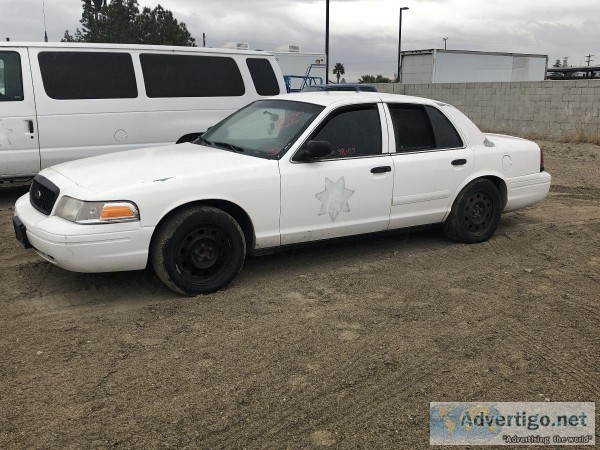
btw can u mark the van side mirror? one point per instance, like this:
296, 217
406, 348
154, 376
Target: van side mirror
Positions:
315, 150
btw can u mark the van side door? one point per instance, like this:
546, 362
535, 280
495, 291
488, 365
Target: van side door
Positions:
19, 144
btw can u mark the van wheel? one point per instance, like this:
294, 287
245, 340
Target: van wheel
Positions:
475, 214
198, 250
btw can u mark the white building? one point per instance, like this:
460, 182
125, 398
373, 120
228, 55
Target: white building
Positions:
462, 66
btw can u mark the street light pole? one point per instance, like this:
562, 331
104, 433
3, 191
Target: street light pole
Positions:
326, 41
399, 77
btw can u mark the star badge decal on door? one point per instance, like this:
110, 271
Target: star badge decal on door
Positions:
334, 199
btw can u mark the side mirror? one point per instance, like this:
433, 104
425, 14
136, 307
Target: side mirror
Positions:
315, 150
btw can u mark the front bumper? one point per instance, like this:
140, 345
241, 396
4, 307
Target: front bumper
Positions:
85, 248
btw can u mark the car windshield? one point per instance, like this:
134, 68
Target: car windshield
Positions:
265, 128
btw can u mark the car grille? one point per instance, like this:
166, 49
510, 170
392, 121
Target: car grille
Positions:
43, 194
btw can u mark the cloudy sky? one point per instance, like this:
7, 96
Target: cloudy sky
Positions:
363, 33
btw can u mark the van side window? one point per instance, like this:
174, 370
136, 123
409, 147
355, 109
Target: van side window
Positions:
191, 76
263, 77
11, 81
87, 75
412, 128
446, 135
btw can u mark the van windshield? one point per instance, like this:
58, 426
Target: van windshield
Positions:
265, 128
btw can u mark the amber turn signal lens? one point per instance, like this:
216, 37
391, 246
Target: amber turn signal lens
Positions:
111, 212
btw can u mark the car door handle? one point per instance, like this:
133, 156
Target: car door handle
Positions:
459, 162
381, 169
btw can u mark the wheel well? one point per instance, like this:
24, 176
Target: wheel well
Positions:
190, 137
501, 185
230, 208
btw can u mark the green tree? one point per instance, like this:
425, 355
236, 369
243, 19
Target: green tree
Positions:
338, 70
120, 21
374, 79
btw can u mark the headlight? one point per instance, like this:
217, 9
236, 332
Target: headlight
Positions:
78, 211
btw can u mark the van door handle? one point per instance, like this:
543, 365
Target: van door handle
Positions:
381, 169
30, 123
459, 162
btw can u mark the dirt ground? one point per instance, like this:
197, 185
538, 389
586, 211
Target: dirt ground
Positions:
341, 345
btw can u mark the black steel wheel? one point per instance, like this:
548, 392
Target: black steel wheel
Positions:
475, 214
198, 250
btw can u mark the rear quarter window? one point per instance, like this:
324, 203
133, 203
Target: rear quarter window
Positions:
263, 76
445, 134
191, 76
87, 75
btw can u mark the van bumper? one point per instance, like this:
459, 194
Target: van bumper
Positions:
84, 248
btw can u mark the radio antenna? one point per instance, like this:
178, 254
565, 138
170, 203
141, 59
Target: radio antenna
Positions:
44, 12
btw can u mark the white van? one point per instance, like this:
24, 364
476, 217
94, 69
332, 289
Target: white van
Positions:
64, 101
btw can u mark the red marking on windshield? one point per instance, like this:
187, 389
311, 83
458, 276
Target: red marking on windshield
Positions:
290, 120
275, 151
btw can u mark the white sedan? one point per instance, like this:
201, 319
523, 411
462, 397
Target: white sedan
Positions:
282, 171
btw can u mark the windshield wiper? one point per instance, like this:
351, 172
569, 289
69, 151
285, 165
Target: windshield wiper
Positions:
235, 148
202, 140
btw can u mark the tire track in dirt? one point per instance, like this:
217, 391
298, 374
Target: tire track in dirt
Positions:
533, 342
123, 290
329, 298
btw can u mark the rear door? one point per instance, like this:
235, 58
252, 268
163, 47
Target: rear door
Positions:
19, 145
431, 160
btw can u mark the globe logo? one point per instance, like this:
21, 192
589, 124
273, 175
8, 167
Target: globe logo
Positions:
454, 423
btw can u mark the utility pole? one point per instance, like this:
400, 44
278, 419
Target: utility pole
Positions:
326, 41
445, 42
399, 77
589, 59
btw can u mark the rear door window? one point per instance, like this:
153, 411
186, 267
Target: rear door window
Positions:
11, 81
263, 76
87, 75
412, 128
191, 76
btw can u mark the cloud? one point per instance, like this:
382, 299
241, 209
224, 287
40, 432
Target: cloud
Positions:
363, 33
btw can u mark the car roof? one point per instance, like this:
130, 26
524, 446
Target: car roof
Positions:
326, 98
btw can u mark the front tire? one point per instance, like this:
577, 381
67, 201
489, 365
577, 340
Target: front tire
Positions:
475, 214
198, 250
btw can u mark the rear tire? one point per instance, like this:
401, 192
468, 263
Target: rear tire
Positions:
198, 250
475, 214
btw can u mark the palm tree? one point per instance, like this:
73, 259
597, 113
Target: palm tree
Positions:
338, 70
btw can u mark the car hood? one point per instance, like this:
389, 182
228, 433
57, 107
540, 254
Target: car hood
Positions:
150, 165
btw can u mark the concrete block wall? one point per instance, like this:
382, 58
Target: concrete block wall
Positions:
554, 109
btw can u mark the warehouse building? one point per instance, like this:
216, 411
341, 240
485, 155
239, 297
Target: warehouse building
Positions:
462, 66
